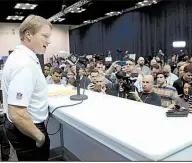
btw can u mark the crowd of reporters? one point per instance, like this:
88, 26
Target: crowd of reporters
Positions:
157, 83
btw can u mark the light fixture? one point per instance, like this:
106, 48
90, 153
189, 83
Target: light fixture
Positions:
67, 10
25, 6
154, 1
113, 13
78, 10
59, 20
179, 44
145, 3
16, 17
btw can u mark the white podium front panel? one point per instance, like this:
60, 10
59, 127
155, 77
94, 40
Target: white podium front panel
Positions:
126, 126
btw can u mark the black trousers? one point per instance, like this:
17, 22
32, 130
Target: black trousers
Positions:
4, 143
25, 146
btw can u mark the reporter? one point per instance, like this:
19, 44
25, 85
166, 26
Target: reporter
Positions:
25, 93
148, 96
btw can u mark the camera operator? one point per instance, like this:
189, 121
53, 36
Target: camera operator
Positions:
123, 86
148, 96
130, 73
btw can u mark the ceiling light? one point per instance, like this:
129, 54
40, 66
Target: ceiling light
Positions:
16, 17
87, 21
113, 13
9, 17
60, 20
139, 3
154, 1
77, 10
25, 6
145, 1
179, 44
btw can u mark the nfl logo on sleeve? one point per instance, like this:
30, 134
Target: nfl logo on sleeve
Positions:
19, 96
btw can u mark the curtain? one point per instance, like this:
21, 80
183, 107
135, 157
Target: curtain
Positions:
142, 31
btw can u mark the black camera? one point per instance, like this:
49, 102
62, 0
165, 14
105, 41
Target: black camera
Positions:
99, 57
126, 84
80, 61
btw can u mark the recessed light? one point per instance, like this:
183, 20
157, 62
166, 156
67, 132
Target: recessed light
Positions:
25, 6
21, 18
8, 18
16, 17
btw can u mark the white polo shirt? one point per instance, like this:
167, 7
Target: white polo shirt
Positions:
23, 84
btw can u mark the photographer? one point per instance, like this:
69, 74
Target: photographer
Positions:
123, 86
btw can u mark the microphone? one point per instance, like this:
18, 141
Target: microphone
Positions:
74, 60
179, 103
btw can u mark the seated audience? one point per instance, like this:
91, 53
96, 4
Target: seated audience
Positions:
56, 77
181, 70
167, 92
47, 68
148, 96
186, 78
84, 80
71, 79
154, 70
100, 67
100, 85
185, 98
153, 62
170, 76
140, 63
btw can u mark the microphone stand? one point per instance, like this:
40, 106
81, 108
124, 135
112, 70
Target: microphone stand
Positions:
78, 96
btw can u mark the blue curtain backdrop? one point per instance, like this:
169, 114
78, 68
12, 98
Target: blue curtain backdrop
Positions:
141, 31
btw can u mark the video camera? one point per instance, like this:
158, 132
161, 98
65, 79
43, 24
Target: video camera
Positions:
99, 57
80, 61
126, 84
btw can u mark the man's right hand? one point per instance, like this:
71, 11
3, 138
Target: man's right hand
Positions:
40, 141
115, 64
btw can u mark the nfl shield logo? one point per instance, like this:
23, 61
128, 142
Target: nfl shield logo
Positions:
19, 96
